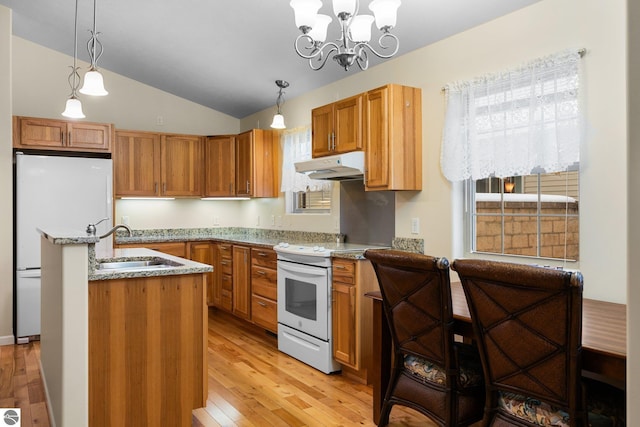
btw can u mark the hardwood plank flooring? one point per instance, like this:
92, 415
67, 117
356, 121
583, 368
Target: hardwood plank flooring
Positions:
250, 383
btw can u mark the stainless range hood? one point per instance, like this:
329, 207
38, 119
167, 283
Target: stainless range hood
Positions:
338, 167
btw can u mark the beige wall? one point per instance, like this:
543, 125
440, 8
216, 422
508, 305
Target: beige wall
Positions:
541, 29
129, 105
6, 189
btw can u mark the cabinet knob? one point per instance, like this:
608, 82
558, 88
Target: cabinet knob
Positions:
262, 304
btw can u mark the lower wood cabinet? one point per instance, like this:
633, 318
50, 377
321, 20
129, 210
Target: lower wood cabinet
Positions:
222, 289
242, 281
264, 288
203, 252
351, 316
147, 351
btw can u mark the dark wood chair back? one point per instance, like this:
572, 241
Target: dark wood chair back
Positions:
528, 324
416, 298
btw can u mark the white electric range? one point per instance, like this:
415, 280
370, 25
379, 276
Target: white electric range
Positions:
304, 300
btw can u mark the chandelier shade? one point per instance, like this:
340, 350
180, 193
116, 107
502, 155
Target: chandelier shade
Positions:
385, 12
354, 44
278, 122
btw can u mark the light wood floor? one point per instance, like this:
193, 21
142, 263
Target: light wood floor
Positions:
250, 384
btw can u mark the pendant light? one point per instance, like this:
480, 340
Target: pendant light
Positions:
93, 81
278, 118
73, 108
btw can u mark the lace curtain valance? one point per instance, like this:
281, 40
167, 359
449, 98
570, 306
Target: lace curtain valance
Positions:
297, 147
515, 122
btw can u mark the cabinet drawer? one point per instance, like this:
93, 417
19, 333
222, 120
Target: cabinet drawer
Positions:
264, 282
264, 257
344, 271
225, 251
226, 266
226, 302
264, 312
227, 283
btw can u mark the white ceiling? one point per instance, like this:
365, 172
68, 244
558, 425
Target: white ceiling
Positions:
225, 55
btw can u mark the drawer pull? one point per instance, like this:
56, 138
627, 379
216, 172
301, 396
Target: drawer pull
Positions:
262, 304
262, 273
340, 267
262, 254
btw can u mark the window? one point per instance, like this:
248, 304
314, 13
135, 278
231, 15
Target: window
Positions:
513, 137
302, 194
534, 215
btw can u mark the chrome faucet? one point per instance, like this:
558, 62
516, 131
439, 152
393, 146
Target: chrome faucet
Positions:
126, 227
91, 229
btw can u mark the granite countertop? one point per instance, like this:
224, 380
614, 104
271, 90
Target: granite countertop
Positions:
176, 264
252, 236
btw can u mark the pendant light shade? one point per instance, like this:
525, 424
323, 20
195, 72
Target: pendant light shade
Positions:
93, 84
73, 109
278, 122
278, 118
93, 81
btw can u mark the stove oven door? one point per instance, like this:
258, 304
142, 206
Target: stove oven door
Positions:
303, 298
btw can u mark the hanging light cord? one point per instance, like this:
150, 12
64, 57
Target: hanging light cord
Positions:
74, 77
280, 100
94, 44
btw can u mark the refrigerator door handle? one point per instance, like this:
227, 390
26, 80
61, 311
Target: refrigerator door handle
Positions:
30, 273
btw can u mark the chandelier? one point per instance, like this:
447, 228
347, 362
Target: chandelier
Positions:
354, 44
278, 118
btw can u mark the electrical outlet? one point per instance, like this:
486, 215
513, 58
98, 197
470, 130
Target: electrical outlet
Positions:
125, 220
258, 221
216, 220
160, 120
279, 221
415, 225
273, 220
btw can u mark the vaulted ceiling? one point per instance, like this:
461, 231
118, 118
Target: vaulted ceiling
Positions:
226, 55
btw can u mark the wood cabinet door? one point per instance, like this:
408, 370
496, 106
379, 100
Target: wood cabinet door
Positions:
220, 166
265, 164
222, 276
344, 323
203, 252
92, 136
376, 134
181, 165
136, 164
244, 162
348, 125
35, 133
241, 282
322, 136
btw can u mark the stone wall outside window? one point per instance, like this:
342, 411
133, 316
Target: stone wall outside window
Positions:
520, 232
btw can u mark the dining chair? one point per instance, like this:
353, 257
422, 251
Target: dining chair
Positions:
527, 321
431, 372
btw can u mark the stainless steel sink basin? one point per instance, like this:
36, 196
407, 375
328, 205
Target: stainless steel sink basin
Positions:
135, 265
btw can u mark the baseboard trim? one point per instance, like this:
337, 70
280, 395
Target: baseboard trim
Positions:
7, 340
52, 420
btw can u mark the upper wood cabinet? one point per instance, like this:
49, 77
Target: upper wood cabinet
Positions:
337, 127
220, 166
181, 165
257, 163
136, 164
393, 138
148, 164
49, 134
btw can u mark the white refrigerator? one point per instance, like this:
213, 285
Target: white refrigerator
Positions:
55, 193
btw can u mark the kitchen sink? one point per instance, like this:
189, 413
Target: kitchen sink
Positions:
135, 265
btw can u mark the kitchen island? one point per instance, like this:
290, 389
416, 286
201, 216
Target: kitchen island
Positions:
121, 344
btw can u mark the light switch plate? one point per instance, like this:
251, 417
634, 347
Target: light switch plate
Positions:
415, 225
